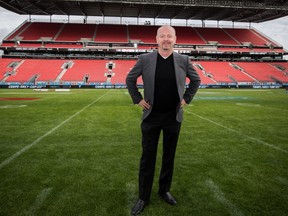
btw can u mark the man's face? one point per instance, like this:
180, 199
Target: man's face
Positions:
166, 38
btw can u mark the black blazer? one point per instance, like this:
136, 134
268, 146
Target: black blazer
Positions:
146, 67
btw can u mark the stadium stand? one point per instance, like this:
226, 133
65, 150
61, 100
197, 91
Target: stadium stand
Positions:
122, 67
224, 72
144, 34
76, 32
263, 72
31, 70
18, 31
213, 35
55, 45
32, 33
8, 67
105, 33
248, 36
93, 70
205, 79
72, 53
188, 35
282, 66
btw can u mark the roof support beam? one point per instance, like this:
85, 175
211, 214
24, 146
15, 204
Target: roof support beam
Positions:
58, 7
37, 6
140, 11
13, 7
81, 9
209, 3
246, 18
179, 12
236, 13
226, 10
200, 11
160, 11
121, 11
271, 17
101, 9
210, 16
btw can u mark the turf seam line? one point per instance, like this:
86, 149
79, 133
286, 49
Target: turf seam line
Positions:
242, 134
39, 201
14, 156
220, 196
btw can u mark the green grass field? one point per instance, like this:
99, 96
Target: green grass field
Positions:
77, 153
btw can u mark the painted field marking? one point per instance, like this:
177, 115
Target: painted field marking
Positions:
211, 93
130, 194
33, 93
248, 104
220, 196
242, 134
18, 99
39, 201
12, 106
220, 98
248, 90
14, 156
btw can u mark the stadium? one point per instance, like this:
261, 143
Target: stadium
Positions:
66, 113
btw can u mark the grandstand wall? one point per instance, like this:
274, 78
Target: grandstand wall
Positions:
38, 55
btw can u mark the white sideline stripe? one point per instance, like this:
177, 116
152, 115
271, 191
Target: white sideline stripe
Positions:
35, 93
130, 194
220, 196
14, 156
244, 135
248, 90
39, 201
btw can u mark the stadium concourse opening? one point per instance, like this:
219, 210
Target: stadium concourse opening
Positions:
98, 54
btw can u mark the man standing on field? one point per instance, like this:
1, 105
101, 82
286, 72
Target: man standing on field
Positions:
164, 74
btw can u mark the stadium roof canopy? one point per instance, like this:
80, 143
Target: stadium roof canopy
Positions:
224, 10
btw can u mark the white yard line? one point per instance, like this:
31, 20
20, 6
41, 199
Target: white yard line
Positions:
248, 90
220, 196
130, 195
242, 134
14, 156
34, 93
39, 201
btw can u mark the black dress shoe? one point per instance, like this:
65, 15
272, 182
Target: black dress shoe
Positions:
138, 208
167, 197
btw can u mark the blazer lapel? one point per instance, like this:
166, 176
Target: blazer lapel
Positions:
177, 75
152, 64
176, 67
152, 71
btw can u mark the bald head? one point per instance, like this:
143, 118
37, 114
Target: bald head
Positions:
166, 38
166, 28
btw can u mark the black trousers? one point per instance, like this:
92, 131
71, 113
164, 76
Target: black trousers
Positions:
151, 129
